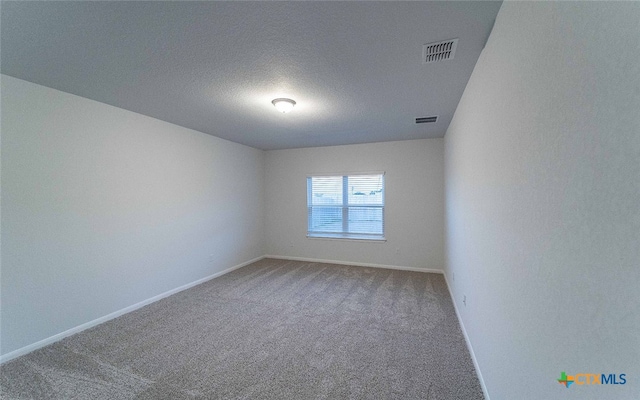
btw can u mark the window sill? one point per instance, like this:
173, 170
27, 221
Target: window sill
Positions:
354, 238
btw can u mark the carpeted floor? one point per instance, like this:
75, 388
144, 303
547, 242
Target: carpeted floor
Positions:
272, 330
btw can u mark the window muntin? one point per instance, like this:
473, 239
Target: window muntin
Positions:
346, 206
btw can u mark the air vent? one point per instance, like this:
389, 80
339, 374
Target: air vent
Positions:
424, 120
439, 51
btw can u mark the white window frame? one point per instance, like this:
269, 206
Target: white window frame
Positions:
345, 235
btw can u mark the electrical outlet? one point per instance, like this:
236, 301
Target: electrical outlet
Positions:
397, 250
464, 300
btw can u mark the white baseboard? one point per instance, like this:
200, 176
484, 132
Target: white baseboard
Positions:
52, 339
358, 264
466, 339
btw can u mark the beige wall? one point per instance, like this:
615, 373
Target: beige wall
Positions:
543, 200
103, 208
414, 203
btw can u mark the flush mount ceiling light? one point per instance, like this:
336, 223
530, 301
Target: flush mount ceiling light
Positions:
283, 105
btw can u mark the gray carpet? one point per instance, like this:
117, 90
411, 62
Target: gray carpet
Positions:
272, 330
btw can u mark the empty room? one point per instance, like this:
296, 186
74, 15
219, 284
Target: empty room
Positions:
320, 200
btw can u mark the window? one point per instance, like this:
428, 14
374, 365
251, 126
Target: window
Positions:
349, 206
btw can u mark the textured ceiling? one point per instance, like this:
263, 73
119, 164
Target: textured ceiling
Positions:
354, 68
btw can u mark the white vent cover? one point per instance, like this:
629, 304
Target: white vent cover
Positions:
425, 120
439, 51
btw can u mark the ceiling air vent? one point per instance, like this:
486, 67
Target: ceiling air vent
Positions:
424, 120
439, 51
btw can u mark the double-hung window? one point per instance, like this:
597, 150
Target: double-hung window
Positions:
346, 206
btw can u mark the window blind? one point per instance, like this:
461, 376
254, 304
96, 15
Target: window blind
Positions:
346, 206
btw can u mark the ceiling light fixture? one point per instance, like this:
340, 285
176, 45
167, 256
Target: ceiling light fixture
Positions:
283, 105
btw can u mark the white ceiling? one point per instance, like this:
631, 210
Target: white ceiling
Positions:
354, 68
